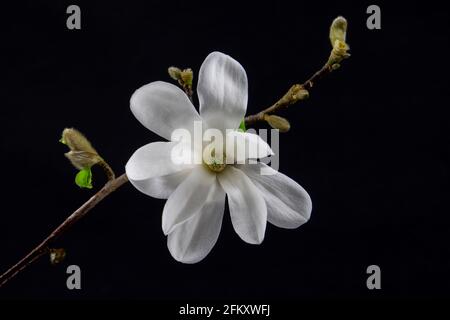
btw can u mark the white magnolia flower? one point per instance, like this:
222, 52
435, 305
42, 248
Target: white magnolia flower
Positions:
192, 216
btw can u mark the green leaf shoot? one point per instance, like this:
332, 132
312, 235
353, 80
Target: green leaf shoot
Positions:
83, 179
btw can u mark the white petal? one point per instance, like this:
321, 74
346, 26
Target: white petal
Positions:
192, 240
222, 91
188, 198
152, 171
288, 204
163, 107
161, 187
247, 206
153, 160
246, 146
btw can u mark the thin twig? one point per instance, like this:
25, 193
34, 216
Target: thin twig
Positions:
108, 170
291, 96
296, 93
44, 246
188, 90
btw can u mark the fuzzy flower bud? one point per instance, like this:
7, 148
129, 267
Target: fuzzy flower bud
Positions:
174, 73
277, 122
82, 154
187, 76
82, 159
57, 255
338, 30
338, 33
338, 53
76, 141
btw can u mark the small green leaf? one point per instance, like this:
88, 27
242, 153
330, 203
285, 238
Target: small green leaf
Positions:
242, 125
83, 178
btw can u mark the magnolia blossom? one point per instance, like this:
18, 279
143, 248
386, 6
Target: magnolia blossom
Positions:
196, 192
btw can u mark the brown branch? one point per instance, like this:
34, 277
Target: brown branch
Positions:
188, 90
107, 169
44, 247
75, 139
296, 93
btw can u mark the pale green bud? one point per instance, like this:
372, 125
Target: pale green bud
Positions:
57, 255
82, 159
82, 154
187, 76
339, 52
301, 94
335, 66
294, 94
338, 33
277, 122
338, 30
174, 73
76, 141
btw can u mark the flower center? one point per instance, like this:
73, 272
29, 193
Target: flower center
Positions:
214, 162
216, 166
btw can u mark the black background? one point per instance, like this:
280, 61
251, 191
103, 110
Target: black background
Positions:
371, 146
